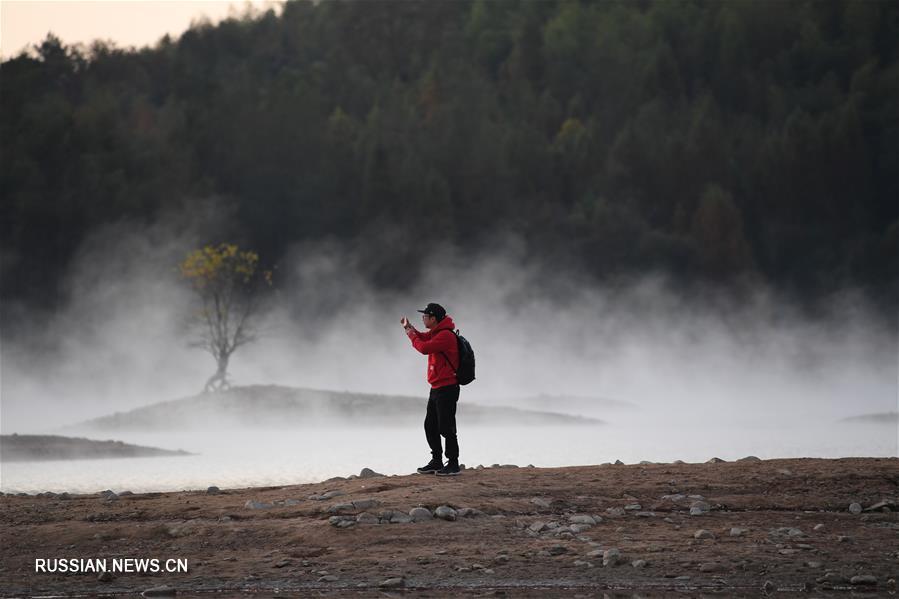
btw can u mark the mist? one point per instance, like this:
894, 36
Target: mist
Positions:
120, 342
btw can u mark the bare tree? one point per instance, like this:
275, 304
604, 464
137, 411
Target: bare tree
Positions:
227, 282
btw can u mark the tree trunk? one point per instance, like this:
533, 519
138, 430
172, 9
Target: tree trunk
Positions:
219, 380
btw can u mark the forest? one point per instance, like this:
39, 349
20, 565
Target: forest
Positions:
716, 142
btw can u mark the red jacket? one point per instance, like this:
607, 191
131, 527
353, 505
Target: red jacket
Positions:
439, 344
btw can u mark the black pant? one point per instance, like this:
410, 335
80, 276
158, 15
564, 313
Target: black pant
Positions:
441, 420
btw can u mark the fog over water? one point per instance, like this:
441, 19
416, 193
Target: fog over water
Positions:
706, 374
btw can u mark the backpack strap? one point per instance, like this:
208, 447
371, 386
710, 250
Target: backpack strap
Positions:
445, 357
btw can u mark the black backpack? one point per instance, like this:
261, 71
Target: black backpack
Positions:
465, 371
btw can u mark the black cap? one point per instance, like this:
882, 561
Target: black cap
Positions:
435, 310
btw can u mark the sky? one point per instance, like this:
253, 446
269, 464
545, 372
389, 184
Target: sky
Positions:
126, 22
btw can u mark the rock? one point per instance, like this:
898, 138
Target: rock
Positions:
611, 557
633, 507
615, 511
537, 526
366, 504
400, 518
64, 496
540, 501
445, 512
640, 563
833, 578
595, 553
813, 565
703, 534
105, 577
749, 458
328, 578
582, 519
579, 528
646, 463
769, 587
122, 494
213, 490
715, 461
108, 495
160, 591
581, 563
468, 512
530, 466
645, 514
863, 579
367, 518
281, 563
844, 539
674, 497
501, 558
557, 550
420, 514
699, 508
257, 505
341, 507
392, 582
710, 567
818, 527
855, 508
619, 463
342, 521
737, 532
678, 462
291, 502
369, 473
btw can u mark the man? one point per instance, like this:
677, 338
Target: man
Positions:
440, 345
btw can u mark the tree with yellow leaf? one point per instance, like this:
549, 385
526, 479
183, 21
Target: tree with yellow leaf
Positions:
227, 282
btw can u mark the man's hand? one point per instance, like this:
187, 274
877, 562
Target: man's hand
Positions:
405, 322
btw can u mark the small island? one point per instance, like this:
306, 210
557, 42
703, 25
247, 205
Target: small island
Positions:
29, 448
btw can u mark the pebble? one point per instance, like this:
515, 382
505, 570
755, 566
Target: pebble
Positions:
468, 512
367, 518
540, 501
392, 582
341, 507
365, 504
703, 534
582, 563
582, 519
257, 505
737, 532
342, 521
615, 511
420, 514
633, 507
537, 526
445, 512
865, 579
328, 578
611, 557
699, 508
855, 508
814, 565
399, 518
640, 563
160, 591
818, 527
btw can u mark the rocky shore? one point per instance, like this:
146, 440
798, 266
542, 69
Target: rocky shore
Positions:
749, 527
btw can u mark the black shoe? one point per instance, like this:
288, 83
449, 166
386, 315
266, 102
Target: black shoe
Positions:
449, 470
431, 467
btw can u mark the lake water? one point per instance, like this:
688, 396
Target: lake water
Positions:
233, 459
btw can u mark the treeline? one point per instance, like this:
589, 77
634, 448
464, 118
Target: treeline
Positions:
717, 141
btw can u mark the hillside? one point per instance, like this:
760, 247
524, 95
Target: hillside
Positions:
277, 407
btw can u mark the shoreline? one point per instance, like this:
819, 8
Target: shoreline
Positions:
785, 523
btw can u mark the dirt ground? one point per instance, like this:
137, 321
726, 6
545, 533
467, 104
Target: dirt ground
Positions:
515, 539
